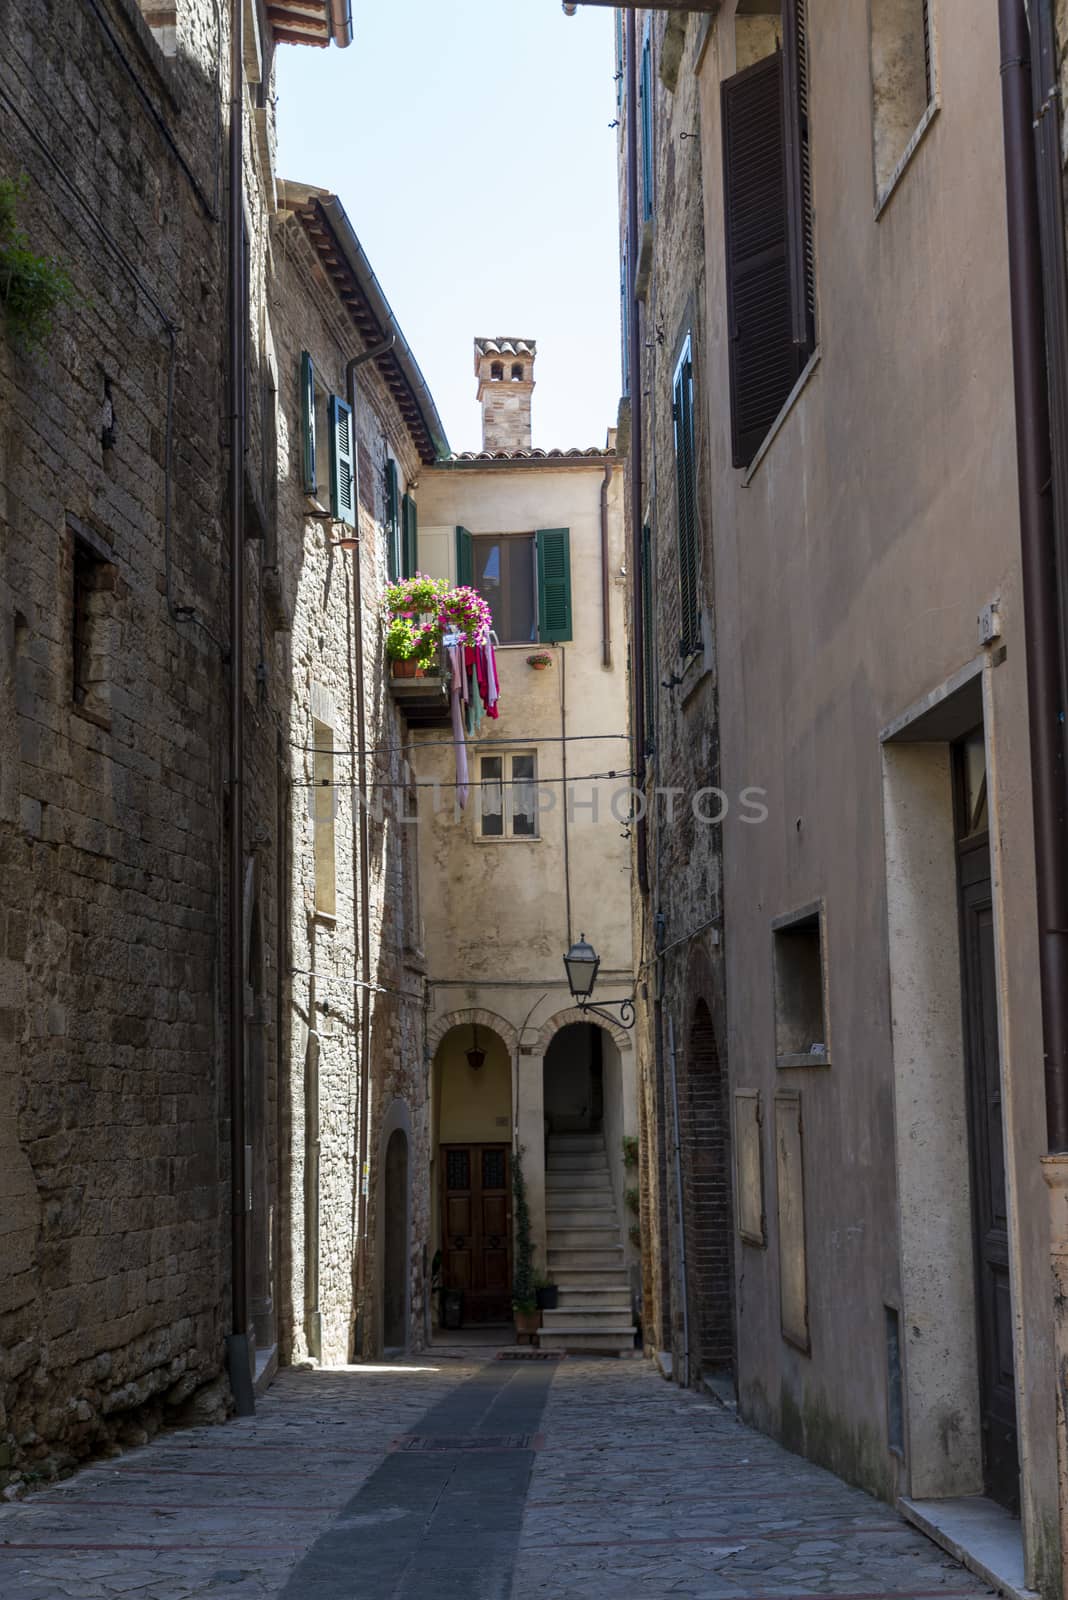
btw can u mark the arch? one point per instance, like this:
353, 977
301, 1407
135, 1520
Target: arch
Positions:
474, 1014
618, 1034
393, 1224
517, 371
497, 370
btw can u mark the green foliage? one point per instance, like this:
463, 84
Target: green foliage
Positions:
31, 286
633, 1199
524, 1291
406, 640
635, 1235
630, 1150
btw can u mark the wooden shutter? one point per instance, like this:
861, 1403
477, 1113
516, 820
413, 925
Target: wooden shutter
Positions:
686, 496
342, 475
307, 421
645, 96
798, 177
554, 585
392, 521
763, 356
465, 557
410, 551
649, 686
624, 321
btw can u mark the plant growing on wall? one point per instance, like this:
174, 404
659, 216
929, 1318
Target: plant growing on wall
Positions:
634, 1233
630, 1150
524, 1286
31, 286
632, 1198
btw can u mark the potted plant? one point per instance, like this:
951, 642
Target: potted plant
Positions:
463, 610
540, 660
524, 1290
413, 631
545, 1292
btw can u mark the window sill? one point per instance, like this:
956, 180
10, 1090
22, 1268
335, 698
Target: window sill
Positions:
481, 838
884, 199
328, 918
803, 1059
694, 673
776, 427
99, 719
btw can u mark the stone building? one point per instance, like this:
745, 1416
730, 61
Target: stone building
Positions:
825, 532
537, 859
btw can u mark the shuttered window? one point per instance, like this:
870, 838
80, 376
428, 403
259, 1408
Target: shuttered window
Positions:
307, 420
686, 501
410, 538
768, 231
393, 560
624, 322
645, 97
554, 585
342, 473
648, 641
465, 557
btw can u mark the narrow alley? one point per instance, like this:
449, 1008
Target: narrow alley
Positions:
462, 1474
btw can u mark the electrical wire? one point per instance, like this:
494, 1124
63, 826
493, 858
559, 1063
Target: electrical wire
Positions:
353, 982
445, 744
434, 783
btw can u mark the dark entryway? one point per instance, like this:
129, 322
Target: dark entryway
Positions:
476, 1213
706, 1182
574, 1080
395, 1284
1001, 1468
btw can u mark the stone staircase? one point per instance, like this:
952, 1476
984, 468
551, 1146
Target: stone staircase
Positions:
585, 1251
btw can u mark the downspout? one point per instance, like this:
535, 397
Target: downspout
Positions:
364, 838
606, 597
238, 1352
1035, 209
637, 488
683, 1286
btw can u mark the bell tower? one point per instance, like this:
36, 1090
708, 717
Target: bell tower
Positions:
505, 372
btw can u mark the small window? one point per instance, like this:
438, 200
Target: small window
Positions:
800, 999
323, 797
316, 421
94, 642
505, 578
393, 521
517, 371
645, 99
902, 81
686, 504
497, 371
508, 806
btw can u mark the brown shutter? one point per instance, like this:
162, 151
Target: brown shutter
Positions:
763, 356
798, 176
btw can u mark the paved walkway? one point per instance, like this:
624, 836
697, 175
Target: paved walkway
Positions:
458, 1477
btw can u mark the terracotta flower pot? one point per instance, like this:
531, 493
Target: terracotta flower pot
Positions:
406, 669
527, 1324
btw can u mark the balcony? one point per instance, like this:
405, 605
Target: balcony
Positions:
423, 697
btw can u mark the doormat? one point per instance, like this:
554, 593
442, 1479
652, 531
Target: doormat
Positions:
530, 1355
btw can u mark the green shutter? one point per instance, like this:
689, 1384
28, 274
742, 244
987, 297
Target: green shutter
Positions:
410, 535
686, 498
554, 585
465, 557
648, 661
342, 475
392, 521
307, 410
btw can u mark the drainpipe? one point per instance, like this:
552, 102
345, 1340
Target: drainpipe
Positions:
637, 489
1028, 232
606, 598
364, 832
238, 1352
684, 1287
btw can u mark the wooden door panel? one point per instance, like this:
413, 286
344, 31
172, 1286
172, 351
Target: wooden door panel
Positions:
458, 1215
476, 1212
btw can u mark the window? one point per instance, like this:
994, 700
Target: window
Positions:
624, 322
409, 537
524, 577
508, 806
393, 547
800, 999
902, 81
323, 796
768, 231
162, 18
621, 59
327, 455
517, 371
645, 101
94, 641
648, 641
497, 371
686, 500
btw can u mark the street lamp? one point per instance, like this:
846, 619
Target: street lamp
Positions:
581, 963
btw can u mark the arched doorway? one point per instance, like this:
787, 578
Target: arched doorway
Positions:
473, 1167
704, 1136
395, 1243
574, 1080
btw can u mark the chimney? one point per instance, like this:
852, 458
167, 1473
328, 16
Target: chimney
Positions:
505, 372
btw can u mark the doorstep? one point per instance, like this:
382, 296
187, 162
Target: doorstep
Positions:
980, 1533
266, 1368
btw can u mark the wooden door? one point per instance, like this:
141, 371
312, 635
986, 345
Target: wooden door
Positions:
476, 1213
997, 1389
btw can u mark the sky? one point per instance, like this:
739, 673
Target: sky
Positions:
470, 146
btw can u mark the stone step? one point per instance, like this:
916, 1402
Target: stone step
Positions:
576, 1141
574, 1182
582, 1256
596, 1238
572, 1318
605, 1341
587, 1296
580, 1216
576, 1163
610, 1279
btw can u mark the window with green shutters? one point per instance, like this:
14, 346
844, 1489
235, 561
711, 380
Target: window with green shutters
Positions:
307, 411
686, 500
554, 585
342, 472
465, 557
393, 559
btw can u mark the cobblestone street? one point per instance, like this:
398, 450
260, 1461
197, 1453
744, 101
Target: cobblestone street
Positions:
592, 1478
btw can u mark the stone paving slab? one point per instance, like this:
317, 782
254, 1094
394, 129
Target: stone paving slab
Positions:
454, 1476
